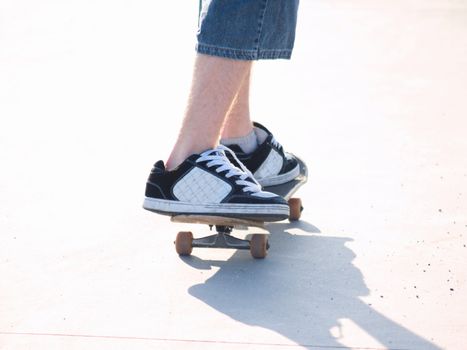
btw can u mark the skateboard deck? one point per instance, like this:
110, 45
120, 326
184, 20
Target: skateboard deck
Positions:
216, 220
258, 244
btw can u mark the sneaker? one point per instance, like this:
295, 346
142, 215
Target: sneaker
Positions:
269, 163
209, 184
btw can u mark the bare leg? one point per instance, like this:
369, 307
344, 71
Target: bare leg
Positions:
216, 82
238, 122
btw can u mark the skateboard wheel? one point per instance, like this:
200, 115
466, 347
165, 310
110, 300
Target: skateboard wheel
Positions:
295, 205
184, 243
259, 246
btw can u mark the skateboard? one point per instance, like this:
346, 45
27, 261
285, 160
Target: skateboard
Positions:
258, 244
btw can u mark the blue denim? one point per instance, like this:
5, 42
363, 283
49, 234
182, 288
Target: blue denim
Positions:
247, 29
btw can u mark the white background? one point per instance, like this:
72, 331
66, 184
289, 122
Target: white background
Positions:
93, 92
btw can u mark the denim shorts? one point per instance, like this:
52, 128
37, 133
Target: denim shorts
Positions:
247, 29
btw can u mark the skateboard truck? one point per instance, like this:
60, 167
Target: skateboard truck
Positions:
184, 243
223, 239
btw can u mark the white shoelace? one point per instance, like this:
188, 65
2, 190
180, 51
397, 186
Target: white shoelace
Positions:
217, 157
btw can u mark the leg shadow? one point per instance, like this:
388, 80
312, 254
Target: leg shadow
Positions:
301, 290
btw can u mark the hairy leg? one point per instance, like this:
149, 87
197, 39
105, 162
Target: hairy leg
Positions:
238, 122
216, 82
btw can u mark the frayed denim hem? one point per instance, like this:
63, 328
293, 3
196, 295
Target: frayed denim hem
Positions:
242, 54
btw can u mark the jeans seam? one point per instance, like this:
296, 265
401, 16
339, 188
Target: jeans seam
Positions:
260, 26
228, 48
244, 54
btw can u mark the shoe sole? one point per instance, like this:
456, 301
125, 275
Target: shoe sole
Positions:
262, 212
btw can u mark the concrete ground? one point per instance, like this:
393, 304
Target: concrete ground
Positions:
374, 100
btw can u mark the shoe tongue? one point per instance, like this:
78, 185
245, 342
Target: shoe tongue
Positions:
159, 166
211, 152
219, 152
236, 149
216, 152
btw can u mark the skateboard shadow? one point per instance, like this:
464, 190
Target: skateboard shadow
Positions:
302, 290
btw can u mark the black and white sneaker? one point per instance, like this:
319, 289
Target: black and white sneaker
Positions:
209, 184
269, 163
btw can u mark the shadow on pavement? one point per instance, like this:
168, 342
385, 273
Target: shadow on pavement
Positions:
301, 291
